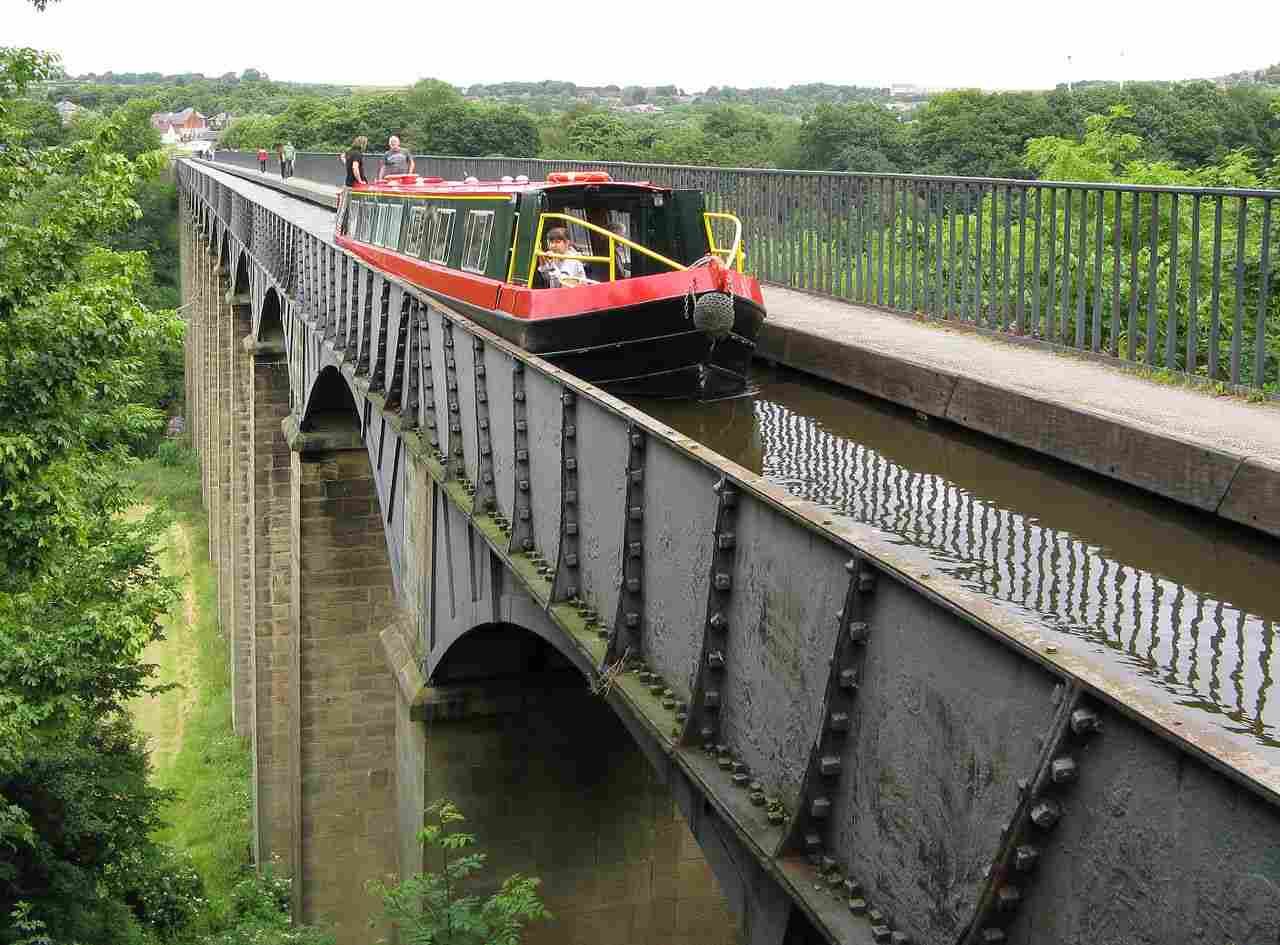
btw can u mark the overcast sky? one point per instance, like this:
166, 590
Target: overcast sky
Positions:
996, 44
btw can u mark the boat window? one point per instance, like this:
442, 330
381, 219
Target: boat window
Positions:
389, 232
417, 224
441, 232
353, 218
475, 252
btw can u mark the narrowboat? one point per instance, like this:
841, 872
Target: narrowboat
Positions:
660, 307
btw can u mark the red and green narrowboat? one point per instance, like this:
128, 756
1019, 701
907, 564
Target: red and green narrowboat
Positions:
665, 309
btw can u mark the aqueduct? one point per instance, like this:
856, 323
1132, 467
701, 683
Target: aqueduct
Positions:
446, 567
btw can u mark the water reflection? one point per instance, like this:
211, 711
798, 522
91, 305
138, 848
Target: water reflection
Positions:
1184, 600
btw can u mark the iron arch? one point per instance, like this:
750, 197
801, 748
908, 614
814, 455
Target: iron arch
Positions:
270, 320
330, 404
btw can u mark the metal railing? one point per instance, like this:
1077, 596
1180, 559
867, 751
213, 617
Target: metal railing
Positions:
1173, 278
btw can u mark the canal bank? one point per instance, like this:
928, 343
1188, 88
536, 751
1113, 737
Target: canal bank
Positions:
1217, 454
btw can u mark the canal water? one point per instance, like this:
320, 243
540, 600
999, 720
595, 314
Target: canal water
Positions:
1187, 601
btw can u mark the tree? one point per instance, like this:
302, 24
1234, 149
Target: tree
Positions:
831, 130
428, 94
81, 591
435, 908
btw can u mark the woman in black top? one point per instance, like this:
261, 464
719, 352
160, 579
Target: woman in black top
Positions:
355, 161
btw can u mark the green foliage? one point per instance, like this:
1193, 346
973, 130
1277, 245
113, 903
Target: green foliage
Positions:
442, 908
839, 137
260, 916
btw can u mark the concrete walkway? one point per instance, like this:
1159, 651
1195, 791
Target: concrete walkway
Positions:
1220, 454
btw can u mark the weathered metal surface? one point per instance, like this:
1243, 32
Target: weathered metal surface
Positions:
918, 807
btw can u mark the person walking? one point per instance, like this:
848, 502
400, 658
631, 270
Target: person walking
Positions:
262, 160
279, 149
355, 160
395, 161
290, 154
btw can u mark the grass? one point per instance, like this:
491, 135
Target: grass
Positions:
195, 751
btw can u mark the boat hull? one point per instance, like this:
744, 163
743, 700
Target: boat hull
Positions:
652, 349
634, 337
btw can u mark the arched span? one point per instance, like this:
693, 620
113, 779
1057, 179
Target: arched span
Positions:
270, 321
242, 285
224, 246
330, 405
511, 714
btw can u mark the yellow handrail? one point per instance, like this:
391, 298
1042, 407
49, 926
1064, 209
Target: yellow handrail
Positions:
734, 254
613, 238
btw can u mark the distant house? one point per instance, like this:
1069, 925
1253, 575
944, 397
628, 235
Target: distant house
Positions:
219, 122
170, 135
67, 110
186, 123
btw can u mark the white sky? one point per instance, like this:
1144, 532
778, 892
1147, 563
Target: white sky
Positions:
995, 44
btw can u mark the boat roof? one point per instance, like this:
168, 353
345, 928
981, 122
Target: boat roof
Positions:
412, 184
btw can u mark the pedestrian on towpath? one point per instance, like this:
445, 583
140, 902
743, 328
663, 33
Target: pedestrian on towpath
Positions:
289, 155
262, 160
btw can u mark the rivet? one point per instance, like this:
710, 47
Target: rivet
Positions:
900, 938
453, 406
876, 916
637, 476
859, 631
1063, 770
571, 464
820, 808
571, 528
812, 842
632, 620
756, 797
715, 659
636, 513
571, 591
480, 370
570, 432
522, 456
828, 864
487, 478
740, 780
521, 426
880, 933
603, 633
634, 549
637, 441
728, 498
740, 768
725, 762
527, 544
708, 737
484, 424
866, 581
829, 765
1025, 857
482, 397
1045, 814
723, 581
711, 700
992, 936
571, 560
567, 397
524, 485
1008, 898
718, 621
839, 722
519, 396
848, 679
455, 428
571, 496
726, 541
1085, 721
858, 906
656, 685
852, 887
523, 515
633, 585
